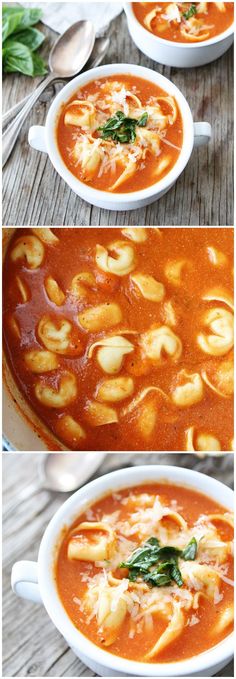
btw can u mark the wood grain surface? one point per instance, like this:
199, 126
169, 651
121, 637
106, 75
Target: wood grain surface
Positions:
31, 644
33, 193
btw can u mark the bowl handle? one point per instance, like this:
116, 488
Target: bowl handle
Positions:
37, 138
24, 580
202, 134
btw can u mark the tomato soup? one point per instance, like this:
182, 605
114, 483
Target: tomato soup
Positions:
120, 134
146, 573
185, 21
122, 339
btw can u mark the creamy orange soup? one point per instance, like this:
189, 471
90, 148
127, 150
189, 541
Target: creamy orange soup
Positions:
122, 339
185, 21
170, 600
120, 133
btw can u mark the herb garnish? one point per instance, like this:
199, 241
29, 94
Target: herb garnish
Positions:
120, 128
190, 12
165, 560
20, 40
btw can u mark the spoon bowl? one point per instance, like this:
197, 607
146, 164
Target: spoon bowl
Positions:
69, 471
72, 49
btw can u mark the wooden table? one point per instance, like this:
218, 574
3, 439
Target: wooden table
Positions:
31, 644
33, 193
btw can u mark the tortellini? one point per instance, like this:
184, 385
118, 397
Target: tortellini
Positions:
219, 295
70, 431
115, 389
159, 342
138, 235
226, 618
111, 615
216, 257
204, 442
220, 322
221, 380
23, 290
173, 630
59, 336
80, 284
111, 352
54, 292
46, 235
101, 317
96, 549
174, 269
111, 608
149, 287
120, 262
147, 419
200, 576
57, 398
99, 414
39, 361
30, 250
80, 113
189, 390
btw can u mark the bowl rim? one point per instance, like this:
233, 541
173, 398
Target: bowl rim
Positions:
128, 8
76, 504
89, 192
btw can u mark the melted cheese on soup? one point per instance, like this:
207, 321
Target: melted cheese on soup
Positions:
146, 573
122, 339
189, 22
120, 133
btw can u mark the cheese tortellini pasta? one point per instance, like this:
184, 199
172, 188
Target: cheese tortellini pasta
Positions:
148, 287
220, 324
29, 250
161, 342
57, 397
58, 336
101, 317
120, 262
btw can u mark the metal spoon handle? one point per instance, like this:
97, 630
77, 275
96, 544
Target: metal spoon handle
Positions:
10, 135
12, 112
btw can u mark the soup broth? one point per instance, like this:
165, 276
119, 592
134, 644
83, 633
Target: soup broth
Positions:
185, 21
122, 339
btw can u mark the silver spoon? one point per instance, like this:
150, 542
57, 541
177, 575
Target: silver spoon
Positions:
67, 57
60, 472
100, 48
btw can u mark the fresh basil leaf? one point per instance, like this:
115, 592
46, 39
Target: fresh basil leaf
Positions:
190, 551
10, 22
18, 58
121, 128
168, 552
143, 120
31, 37
39, 65
176, 575
157, 579
18, 19
190, 12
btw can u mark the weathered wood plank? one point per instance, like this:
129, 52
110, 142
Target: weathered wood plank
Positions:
31, 645
34, 194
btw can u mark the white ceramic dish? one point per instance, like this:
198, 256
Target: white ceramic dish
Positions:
178, 55
35, 581
44, 139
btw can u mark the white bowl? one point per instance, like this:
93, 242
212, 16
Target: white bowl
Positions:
177, 54
36, 581
44, 139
